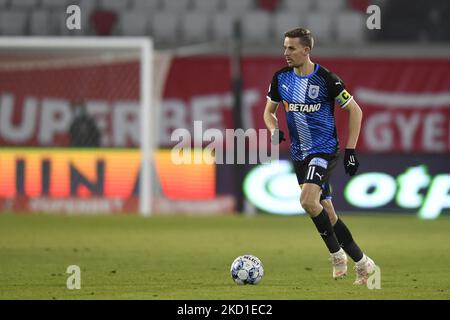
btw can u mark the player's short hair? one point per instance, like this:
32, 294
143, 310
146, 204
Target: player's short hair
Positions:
304, 35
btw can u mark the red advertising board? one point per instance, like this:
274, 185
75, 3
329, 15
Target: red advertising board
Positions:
406, 102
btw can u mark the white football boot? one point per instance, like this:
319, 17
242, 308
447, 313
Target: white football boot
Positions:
339, 262
364, 268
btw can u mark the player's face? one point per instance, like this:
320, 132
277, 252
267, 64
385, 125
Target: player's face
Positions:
295, 53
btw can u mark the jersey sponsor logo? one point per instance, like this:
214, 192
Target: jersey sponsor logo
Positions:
300, 107
313, 91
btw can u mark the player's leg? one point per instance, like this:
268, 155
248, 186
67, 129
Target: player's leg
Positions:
364, 266
343, 234
312, 173
339, 261
310, 201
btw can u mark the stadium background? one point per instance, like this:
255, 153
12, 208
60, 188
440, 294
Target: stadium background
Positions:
399, 74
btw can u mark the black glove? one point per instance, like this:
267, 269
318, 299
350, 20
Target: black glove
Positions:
351, 164
277, 136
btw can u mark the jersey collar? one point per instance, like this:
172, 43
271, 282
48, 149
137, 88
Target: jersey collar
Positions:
309, 75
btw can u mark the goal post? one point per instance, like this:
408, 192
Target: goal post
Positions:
147, 136
51, 52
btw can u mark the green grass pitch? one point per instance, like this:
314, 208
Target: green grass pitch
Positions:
131, 257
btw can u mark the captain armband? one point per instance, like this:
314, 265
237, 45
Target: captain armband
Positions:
344, 98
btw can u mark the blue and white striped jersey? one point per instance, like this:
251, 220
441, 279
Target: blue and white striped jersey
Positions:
309, 105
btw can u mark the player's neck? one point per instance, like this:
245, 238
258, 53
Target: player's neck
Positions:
305, 69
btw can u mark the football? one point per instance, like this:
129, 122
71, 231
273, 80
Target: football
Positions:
247, 269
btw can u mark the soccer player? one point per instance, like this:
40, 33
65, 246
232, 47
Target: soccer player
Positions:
308, 92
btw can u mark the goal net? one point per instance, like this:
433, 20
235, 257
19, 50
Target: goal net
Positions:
78, 124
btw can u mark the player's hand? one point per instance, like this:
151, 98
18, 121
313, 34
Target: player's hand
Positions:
351, 164
277, 136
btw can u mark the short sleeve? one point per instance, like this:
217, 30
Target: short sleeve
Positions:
273, 93
337, 91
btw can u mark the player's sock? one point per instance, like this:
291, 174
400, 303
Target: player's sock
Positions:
326, 231
346, 240
362, 260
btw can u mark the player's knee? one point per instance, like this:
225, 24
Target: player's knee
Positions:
310, 199
310, 204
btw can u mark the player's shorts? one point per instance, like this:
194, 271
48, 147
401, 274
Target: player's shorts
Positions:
316, 168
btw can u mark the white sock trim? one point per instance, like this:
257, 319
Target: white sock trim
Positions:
341, 251
363, 259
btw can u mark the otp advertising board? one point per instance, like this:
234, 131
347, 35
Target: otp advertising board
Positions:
383, 184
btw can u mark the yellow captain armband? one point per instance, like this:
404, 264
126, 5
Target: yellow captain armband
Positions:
344, 98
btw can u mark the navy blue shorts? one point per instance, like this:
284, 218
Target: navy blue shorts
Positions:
316, 168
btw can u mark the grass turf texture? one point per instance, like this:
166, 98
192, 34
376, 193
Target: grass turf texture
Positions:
130, 257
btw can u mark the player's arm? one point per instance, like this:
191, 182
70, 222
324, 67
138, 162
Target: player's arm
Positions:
354, 123
271, 121
348, 103
270, 117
